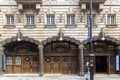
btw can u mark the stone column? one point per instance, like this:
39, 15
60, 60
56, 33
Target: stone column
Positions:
81, 60
1, 53
41, 57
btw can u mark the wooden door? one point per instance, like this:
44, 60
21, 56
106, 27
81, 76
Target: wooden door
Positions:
30, 64
65, 65
52, 64
9, 64
60, 64
17, 67
27, 64
35, 64
69, 65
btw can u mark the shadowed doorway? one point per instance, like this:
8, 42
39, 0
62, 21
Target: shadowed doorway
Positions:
101, 64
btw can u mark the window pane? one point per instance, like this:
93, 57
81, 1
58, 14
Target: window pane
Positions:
10, 19
93, 18
9, 60
111, 19
70, 19
18, 60
50, 19
30, 20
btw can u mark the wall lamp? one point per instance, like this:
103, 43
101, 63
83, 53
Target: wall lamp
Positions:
60, 34
19, 35
102, 35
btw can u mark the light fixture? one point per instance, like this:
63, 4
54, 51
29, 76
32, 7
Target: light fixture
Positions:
19, 35
60, 35
102, 35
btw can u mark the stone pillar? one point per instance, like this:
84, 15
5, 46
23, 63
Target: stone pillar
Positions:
81, 59
1, 53
41, 57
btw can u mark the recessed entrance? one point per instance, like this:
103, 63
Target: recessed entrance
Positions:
101, 64
21, 57
61, 57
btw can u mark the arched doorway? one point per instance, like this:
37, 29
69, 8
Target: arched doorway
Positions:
21, 56
61, 56
105, 54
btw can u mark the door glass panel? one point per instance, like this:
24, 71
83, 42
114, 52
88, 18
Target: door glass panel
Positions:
18, 60
9, 60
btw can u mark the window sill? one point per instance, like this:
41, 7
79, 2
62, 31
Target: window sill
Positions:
111, 25
30, 26
71, 26
9, 26
93, 25
50, 26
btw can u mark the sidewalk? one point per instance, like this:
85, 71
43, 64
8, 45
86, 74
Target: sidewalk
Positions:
107, 76
57, 77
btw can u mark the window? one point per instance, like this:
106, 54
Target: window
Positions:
70, 19
111, 19
9, 60
18, 60
10, 19
50, 19
30, 19
93, 19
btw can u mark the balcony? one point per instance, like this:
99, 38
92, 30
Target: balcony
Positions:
28, 1
94, 1
97, 4
25, 4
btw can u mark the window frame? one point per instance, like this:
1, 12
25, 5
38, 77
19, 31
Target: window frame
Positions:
10, 19
93, 19
71, 20
111, 19
9, 60
50, 19
30, 19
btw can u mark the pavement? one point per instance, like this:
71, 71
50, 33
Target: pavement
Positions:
57, 77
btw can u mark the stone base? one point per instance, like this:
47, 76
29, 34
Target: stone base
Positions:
81, 74
41, 74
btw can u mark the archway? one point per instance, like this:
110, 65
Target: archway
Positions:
61, 56
21, 56
105, 54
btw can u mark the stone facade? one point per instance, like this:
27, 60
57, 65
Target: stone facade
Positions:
40, 31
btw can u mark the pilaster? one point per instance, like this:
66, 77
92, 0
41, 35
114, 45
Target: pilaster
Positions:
41, 69
81, 59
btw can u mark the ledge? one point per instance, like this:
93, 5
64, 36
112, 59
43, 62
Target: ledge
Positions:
9, 26
71, 26
111, 25
30, 26
93, 25
50, 26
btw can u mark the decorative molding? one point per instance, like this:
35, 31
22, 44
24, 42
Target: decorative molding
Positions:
107, 39
65, 38
24, 38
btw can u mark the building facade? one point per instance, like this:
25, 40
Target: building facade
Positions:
50, 36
